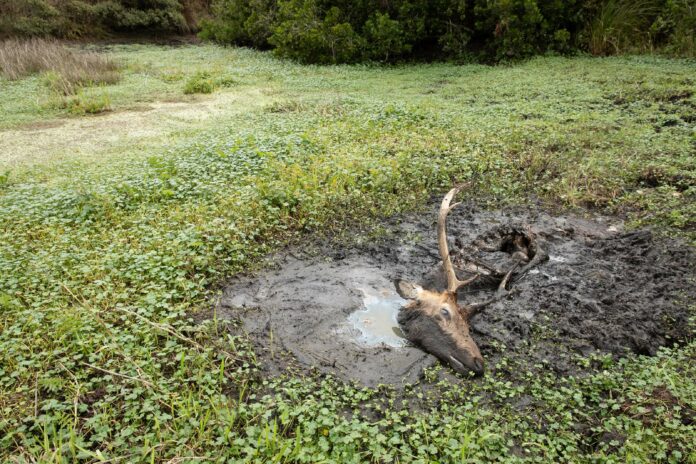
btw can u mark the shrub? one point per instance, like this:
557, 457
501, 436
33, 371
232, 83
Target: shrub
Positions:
513, 28
201, 82
28, 19
386, 37
339, 31
677, 23
164, 15
227, 23
456, 34
308, 35
243, 22
65, 69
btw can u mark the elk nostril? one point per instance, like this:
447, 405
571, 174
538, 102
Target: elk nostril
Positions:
478, 362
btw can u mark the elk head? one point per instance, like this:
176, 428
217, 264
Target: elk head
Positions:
437, 323
435, 320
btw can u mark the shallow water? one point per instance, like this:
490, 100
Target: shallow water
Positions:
377, 321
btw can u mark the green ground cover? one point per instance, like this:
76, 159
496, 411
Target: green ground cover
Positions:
110, 245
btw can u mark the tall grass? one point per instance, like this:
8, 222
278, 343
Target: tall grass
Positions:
621, 25
66, 69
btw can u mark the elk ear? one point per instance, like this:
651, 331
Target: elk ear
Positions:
466, 312
407, 290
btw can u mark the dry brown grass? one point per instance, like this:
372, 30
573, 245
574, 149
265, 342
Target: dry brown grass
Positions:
66, 69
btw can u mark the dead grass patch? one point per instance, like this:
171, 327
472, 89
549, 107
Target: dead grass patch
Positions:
66, 69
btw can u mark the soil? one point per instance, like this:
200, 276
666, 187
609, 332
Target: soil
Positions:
603, 290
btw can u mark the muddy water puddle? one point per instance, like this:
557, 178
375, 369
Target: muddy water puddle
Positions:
376, 321
603, 290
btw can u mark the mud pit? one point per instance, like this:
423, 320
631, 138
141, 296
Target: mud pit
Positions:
602, 290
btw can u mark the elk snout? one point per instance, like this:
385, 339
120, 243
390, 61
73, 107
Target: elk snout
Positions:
465, 362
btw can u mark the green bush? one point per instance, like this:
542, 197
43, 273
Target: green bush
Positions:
242, 22
307, 34
151, 14
513, 28
677, 22
340, 31
201, 82
4, 179
386, 37
454, 38
344, 31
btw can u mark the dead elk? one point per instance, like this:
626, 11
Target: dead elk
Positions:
436, 321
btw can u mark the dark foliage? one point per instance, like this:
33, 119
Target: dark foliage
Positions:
80, 18
342, 31
346, 31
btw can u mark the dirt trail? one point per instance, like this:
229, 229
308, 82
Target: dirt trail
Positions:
108, 133
603, 290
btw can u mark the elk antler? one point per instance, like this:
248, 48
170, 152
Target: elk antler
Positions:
453, 283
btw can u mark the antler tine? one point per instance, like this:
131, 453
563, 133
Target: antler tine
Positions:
453, 283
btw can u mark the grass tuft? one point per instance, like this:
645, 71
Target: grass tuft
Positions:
620, 25
82, 104
206, 82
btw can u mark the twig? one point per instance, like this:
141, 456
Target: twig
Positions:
107, 371
187, 458
163, 327
76, 400
36, 395
97, 316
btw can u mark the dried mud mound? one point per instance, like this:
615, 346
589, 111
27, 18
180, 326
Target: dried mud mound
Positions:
602, 290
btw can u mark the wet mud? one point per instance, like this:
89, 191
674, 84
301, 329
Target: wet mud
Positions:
602, 290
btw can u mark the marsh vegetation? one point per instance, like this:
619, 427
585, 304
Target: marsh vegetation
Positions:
118, 231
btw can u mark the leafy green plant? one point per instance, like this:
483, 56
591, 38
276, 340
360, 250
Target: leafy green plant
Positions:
201, 82
386, 37
514, 27
207, 82
307, 33
5, 179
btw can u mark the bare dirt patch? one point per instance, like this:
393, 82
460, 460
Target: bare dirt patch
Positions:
603, 290
104, 136
42, 125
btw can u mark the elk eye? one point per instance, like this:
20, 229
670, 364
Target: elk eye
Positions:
445, 312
